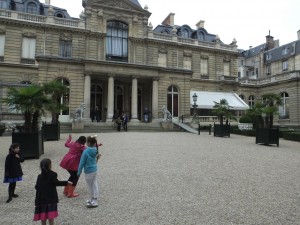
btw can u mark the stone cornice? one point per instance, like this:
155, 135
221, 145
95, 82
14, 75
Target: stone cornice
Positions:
14, 65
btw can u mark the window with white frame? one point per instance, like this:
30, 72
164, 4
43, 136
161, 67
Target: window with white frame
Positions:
185, 33
28, 47
285, 51
32, 8
173, 100
284, 107
2, 44
226, 68
3, 4
285, 65
204, 66
251, 101
117, 41
65, 48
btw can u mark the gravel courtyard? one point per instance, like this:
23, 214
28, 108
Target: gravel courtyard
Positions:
171, 178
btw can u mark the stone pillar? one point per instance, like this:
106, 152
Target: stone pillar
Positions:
110, 98
87, 95
134, 97
154, 99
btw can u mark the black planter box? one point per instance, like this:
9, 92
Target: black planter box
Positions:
221, 130
31, 144
51, 131
267, 136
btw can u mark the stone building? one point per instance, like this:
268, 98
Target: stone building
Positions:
111, 57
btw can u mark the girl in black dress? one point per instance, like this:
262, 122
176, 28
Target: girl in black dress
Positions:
13, 170
46, 198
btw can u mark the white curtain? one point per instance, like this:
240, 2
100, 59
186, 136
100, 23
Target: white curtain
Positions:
2, 44
204, 67
28, 48
226, 69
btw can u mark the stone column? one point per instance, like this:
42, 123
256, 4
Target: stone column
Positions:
110, 98
87, 95
134, 97
155, 99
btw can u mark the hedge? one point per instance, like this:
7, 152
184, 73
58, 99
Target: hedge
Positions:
293, 136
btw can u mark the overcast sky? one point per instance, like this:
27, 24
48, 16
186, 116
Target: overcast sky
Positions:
246, 21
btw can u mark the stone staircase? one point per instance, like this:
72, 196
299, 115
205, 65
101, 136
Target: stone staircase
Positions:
101, 127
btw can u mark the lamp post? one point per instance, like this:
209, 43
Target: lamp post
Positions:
195, 97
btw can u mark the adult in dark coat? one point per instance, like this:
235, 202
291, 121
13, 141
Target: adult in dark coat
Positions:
92, 114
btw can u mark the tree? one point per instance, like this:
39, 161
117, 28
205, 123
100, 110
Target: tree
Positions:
33, 101
221, 109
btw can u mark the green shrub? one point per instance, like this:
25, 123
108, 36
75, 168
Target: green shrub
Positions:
293, 136
245, 119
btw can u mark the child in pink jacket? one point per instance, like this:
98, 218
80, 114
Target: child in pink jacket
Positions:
71, 161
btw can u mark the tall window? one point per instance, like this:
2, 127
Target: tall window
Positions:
96, 96
117, 41
65, 98
28, 48
251, 101
173, 100
2, 46
285, 65
284, 108
32, 8
268, 70
204, 66
65, 48
3, 4
226, 69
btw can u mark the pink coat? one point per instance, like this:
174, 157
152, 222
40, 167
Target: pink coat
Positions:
72, 158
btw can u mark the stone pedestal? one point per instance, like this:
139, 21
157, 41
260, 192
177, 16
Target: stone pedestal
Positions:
77, 125
167, 125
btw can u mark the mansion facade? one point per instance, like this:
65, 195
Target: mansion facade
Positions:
112, 57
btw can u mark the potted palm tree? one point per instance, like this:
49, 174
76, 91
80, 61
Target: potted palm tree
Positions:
221, 109
56, 90
266, 133
32, 101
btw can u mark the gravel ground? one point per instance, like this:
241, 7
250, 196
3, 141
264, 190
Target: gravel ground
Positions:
171, 178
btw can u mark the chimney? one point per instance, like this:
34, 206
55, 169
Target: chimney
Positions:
47, 2
200, 24
298, 34
269, 42
169, 21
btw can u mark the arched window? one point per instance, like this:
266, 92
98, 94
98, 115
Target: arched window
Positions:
117, 41
251, 101
3, 4
65, 98
185, 33
200, 36
173, 98
60, 15
284, 108
32, 8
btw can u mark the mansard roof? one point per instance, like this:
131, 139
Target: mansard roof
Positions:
254, 51
136, 2
42, 9
283, 52
194, 34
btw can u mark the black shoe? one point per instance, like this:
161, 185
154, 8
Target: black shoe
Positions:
15, 195
8, 200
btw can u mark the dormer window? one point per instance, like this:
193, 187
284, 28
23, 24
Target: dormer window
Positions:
3, 4
201, 36
32, 8
165, 31
185, 33
60, 15
268, 56
285, 51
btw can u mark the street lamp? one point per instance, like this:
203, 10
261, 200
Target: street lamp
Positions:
195, 106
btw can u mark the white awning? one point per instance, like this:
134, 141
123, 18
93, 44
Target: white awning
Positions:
207, 99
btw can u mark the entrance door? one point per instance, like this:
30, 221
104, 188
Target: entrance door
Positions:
96, 98
118, 100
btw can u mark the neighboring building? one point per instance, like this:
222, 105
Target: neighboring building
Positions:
273, 68
111, 57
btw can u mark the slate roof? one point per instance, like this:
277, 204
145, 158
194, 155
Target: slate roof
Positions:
136, 2
283, 52
253, 51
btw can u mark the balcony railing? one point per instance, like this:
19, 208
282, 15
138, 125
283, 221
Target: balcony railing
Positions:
42, 19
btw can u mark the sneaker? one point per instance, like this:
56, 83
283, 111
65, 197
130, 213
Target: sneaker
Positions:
88, 201
93, 204
88, 204
15, 195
